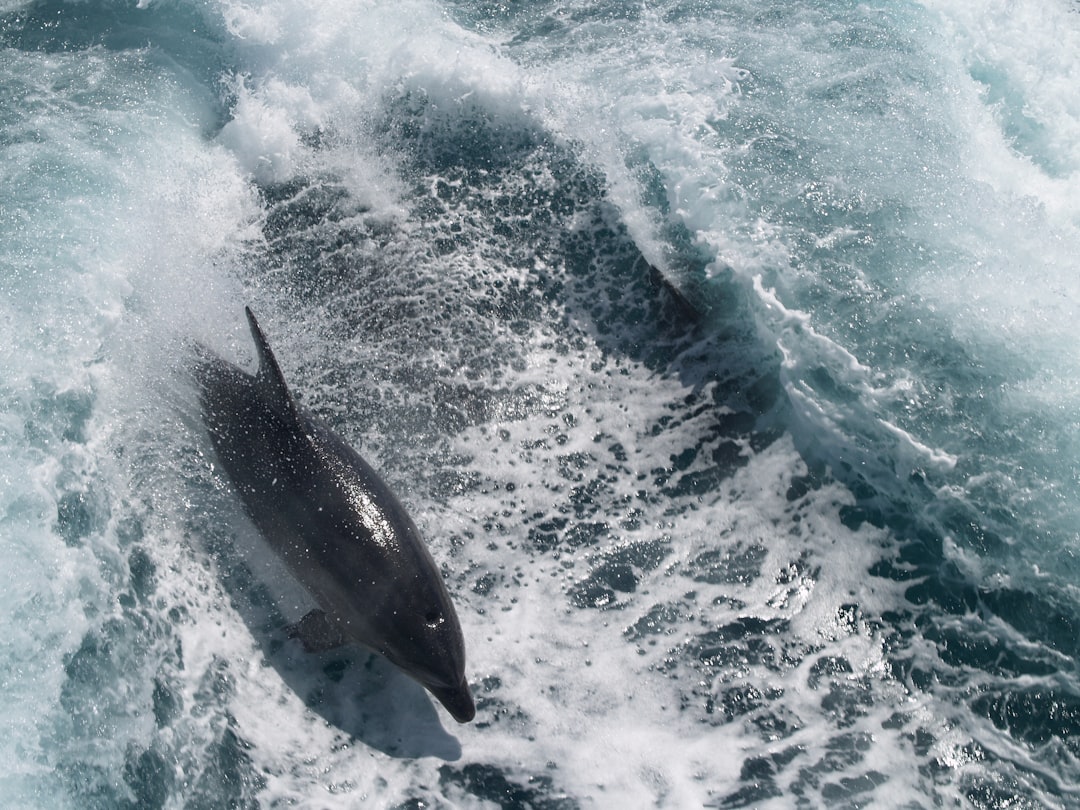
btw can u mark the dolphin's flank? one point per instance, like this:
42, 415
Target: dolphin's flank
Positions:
337, 526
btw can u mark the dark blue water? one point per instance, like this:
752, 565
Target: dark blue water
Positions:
725, 354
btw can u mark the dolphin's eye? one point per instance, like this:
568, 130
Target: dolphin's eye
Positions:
432, 618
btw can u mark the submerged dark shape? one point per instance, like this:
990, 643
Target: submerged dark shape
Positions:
337, 526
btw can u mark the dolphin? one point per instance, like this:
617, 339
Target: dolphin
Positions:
337, 526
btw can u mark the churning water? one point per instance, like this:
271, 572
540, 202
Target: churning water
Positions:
726, 353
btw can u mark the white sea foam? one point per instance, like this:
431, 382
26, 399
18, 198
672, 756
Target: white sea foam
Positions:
606, 701
1021, 131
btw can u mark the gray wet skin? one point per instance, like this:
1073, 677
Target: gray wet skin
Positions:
337, 526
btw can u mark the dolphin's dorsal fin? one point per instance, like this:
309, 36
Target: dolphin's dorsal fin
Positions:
268, 378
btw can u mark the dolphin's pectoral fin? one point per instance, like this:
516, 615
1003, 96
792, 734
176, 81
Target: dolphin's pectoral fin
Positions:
316, 632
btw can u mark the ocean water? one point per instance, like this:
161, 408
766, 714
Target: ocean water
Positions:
726, 353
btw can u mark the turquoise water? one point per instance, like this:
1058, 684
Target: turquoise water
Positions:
725, 354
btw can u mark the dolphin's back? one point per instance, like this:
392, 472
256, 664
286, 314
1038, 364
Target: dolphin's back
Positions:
338, 527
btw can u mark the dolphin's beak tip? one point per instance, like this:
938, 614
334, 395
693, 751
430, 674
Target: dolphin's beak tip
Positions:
458, 701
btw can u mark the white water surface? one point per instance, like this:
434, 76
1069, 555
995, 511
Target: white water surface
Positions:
676, 526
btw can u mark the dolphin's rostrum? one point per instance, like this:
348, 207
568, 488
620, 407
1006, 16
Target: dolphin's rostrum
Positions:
337, 526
